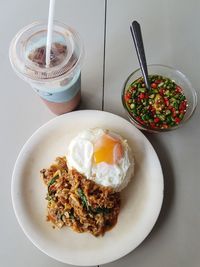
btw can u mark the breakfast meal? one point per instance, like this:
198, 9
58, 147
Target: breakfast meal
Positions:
83, 188
161, 107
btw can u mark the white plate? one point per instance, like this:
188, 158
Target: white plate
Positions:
141, 200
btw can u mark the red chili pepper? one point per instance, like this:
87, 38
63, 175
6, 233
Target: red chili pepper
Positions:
182, 106
156, 120
158, 81
152, 109
127, 96
177, 120
174, 112
170, 107
161, 91
154, 85
178, 89
152, 124
166, 101
52, 188
139, 120
142, 95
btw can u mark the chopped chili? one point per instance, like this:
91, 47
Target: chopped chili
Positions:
161, 107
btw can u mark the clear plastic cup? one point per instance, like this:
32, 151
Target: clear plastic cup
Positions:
59, 85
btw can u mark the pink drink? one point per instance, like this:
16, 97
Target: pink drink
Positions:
59, 85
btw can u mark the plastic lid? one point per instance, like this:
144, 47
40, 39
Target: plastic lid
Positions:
28, 50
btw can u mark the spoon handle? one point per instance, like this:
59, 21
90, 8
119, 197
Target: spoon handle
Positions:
138, 42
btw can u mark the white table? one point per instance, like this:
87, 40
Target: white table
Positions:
171, 35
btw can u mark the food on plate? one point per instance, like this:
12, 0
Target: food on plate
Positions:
83, 189
161, 107
75, 201
102, 156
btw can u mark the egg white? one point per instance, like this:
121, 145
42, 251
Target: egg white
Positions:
80, 157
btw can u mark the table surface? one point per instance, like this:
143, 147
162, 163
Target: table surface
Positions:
170, 32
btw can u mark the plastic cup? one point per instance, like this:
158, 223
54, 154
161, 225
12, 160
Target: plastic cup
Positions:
59, 85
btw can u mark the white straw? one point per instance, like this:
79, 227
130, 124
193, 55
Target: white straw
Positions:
50, 31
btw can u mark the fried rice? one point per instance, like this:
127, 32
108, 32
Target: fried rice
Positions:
78, 202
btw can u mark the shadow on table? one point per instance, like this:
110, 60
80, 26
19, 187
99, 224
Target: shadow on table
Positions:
169, 184
89, 101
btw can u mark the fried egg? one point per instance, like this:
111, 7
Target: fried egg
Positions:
102, 156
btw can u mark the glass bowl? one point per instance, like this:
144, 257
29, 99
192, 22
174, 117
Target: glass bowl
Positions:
173, 74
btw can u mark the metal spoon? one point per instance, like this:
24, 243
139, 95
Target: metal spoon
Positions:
139, 47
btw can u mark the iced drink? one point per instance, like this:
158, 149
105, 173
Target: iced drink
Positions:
59, 84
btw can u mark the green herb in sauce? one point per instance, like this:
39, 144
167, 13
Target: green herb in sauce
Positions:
161, 107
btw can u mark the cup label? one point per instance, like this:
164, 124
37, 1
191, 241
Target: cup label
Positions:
60, 94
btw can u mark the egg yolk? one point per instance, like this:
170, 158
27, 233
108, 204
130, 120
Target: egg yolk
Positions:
107, 149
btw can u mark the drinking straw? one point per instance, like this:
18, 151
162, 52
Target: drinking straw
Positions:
50, 32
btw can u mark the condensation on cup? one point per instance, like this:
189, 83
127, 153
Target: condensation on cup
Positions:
59, 84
